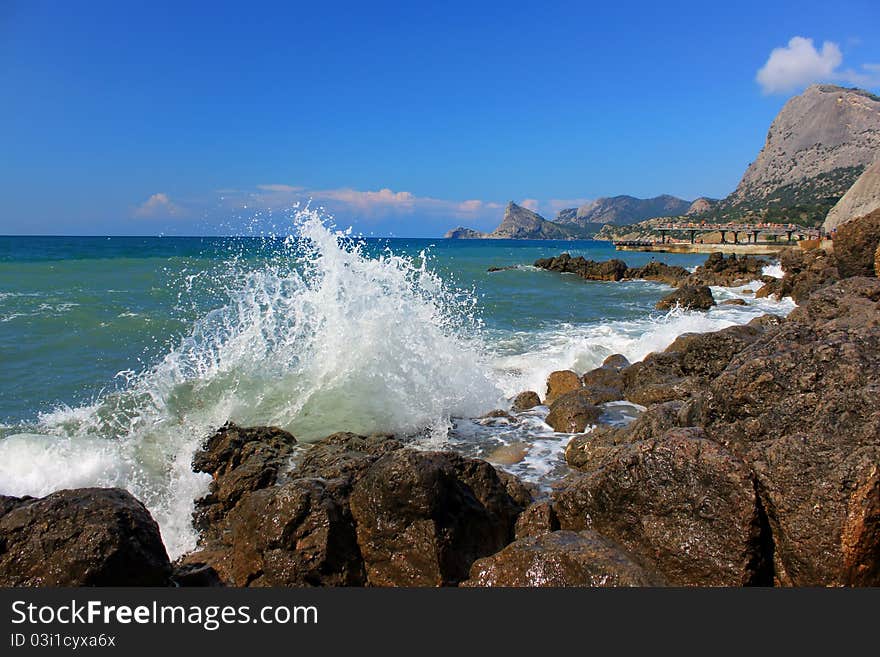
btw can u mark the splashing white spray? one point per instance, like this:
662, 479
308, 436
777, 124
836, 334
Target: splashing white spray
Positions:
324, 340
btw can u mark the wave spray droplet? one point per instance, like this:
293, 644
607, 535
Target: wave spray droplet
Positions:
322, 339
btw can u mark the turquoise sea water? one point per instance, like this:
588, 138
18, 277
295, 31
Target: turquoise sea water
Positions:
119, 355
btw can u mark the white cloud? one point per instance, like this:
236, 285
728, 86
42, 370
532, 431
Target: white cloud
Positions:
530, 204
158, 205
800, 63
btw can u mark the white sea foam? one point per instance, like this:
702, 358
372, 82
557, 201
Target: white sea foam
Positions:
774, 270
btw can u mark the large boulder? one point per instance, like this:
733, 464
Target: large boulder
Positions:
691, 297
525, 400
573, 412
799, 406
560, 383
561, 558
80, 537
424, 517
681, 504
855, 243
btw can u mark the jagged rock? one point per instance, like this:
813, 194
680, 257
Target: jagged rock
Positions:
689, 362
561, 558
462, 233
607, 270
526, 400
727, 271
80, 537
573, 412
620, 210
690, 297
424, 517
659, 272
537, 519
855, 244
681, 504
799, 406
805, 272
560, 383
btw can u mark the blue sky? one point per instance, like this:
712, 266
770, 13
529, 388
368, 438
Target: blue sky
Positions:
401, 118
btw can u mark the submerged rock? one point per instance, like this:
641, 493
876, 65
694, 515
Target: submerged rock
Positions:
561, 558
81, 537
692, 297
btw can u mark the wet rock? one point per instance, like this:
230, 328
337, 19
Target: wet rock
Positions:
688, 296
508, 454
805, 272
609, 270
525, 400
734, 302
800, 407
681, 504
537, 519
616, 361
424, 517
687, 364
240, 460
560, 383
855, 244
195, 575
659, 272
727, 271
297, 534
573, 412
561, 558
80, 537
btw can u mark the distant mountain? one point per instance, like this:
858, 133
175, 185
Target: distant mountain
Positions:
816, 148
462, 233
701, 206
621, 210
520, 223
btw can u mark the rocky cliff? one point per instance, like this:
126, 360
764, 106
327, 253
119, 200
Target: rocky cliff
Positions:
462, 233
816, 148
862, 198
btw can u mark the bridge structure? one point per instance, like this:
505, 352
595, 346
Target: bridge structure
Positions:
751, 231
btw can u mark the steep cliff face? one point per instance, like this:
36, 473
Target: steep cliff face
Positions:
861, 199
816, 148
622, 210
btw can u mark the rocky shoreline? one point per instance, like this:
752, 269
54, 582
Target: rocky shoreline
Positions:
755, 462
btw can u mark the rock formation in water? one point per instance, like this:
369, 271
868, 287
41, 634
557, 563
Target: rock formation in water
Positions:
462, 233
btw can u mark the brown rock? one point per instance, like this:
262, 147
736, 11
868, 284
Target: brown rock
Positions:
688, 296
537, 519
561, 558
573, 412
734, 302
526, 400
80, 537
560, 383
681, 504
424, 517
855, 244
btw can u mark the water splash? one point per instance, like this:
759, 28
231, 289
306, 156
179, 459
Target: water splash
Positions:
320, 339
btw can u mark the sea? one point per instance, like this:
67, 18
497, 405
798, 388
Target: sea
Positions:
120, 355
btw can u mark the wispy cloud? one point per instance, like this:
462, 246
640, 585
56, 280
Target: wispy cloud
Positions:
800, 63
158, 205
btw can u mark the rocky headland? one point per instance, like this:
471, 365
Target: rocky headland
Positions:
755, 462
